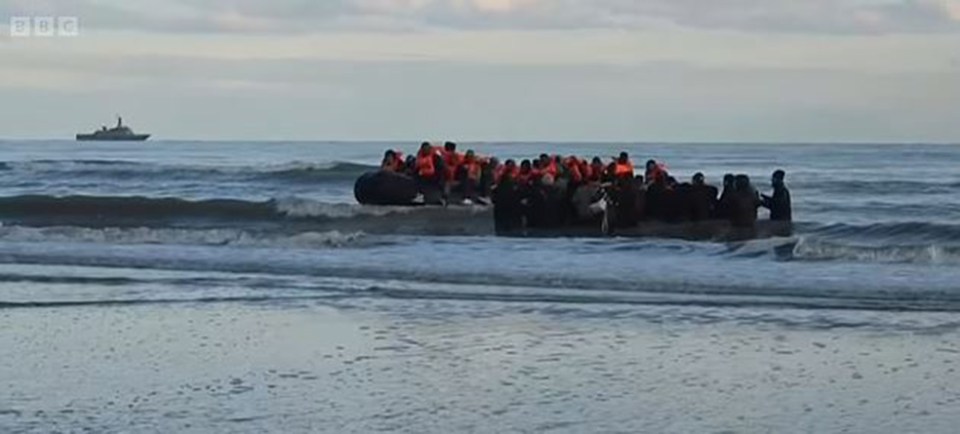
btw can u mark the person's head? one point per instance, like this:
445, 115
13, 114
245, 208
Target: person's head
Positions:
651, 164
638, 179
526, 166
777, 178
596, 161
699, 179
728, 180
470, 156
425, 147
390, 154
671, 181
544, 159
624, 158
742, 183
450, 147
493, 162
510, 164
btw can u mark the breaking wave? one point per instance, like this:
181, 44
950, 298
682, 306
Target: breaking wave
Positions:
293, 172
178, 236
287, 214
132, 207
932, 254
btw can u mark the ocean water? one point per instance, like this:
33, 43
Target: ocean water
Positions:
237, 286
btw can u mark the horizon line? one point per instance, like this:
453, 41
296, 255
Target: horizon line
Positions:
531, 141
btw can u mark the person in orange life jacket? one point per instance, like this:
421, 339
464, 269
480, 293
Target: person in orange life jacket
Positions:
469, 175
596, 169
623, 168
428, 165
508, 168
584, 168
572, 164
655, 172
609, 174
525, 174
548, 166
451, 159
392, 161
536, 170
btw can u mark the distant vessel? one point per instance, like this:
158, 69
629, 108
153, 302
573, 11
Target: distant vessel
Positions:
120, 132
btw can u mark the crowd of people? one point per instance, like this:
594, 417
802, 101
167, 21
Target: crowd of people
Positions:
555, 191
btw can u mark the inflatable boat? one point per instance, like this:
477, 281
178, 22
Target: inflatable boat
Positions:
397, 189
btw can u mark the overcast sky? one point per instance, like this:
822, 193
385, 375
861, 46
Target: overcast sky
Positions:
607, 70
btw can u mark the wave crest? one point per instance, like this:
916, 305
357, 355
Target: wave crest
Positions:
932, 254
179, 236
293, 172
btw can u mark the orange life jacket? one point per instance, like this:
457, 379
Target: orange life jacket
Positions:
535, 174
452, 161
654, 175
524, 178
623, 170
474, 170
426, 167
503, 171
585, 170
551, 169
396, 165
573, 167
597, 171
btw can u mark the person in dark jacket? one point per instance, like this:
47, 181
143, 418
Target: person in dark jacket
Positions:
724, 207
745, 202
508, 206
625, 200
779, 204
703, 199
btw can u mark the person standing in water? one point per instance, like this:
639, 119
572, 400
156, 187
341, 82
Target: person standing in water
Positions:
779, 204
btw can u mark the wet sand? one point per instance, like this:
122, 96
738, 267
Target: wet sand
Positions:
307, 367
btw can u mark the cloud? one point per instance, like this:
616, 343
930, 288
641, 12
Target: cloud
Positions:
318, 99
304, 16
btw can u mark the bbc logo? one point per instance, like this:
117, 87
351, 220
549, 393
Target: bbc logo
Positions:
44, 27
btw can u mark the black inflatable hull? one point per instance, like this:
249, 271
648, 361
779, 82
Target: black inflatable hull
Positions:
397, 189
385, 188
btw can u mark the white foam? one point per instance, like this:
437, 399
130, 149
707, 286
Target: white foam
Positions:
173, 236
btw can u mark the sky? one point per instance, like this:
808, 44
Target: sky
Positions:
568, 70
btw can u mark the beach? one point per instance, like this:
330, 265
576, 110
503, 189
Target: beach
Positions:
451, 366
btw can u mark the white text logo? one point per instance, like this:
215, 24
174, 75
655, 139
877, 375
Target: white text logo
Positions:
44, 27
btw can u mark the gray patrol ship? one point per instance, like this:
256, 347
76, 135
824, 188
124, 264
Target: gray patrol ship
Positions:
120, 132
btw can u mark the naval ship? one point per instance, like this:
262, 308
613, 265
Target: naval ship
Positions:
120, 132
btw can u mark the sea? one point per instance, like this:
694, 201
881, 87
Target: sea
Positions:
232, 286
